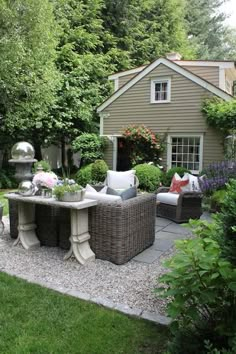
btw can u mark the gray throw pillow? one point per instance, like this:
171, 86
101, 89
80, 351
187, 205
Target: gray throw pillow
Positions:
126, 194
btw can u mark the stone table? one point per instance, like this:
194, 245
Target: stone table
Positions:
79, 224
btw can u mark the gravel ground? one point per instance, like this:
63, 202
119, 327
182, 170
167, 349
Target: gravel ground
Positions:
130, 284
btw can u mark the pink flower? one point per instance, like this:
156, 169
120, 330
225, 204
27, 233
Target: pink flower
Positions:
45, 179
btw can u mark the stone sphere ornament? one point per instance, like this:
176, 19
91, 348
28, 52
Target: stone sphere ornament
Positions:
26, 188
22, 151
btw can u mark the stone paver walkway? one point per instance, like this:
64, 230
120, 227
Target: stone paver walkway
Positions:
167, 232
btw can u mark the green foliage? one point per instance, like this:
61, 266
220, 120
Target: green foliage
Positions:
60, 190
28, 76
227, 223
149, 177
167, 176
7, 179
220, 114
149, 29
93, 173
217, 199
84, 175
99, 171
201, 284
45, 165
91, 146
207, 31
202, 287
143, 144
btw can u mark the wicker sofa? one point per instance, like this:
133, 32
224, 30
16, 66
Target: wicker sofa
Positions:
188, 206
119, 230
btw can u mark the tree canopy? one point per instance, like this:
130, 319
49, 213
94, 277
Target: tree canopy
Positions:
28, 75
207, 31
56, 55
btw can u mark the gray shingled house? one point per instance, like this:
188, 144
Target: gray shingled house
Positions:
167, 97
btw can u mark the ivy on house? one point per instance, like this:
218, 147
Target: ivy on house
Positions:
220, 114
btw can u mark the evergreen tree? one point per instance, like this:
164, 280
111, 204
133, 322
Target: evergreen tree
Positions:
147, 29
206, 29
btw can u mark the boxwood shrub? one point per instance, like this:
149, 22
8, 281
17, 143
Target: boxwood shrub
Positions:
149, 177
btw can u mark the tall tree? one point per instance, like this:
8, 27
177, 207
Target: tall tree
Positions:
206, 29
147, 29
87, 54
28, 76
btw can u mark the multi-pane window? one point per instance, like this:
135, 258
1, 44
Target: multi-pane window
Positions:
160, 91
186, 152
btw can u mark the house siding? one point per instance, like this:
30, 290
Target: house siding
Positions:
124, 79
181, 115
108, 155
209, 73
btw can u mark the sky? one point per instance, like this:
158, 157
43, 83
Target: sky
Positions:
229, 7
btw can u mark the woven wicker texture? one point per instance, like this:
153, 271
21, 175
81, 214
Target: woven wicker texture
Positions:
13, 216
64, 228
188, 207
47, 225
121, 230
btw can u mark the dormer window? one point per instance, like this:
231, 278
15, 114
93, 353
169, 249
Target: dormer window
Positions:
160, 90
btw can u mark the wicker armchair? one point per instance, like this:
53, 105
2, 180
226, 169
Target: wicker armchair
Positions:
188, 206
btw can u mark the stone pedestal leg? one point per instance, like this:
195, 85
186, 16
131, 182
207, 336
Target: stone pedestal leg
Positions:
79, 237
26, 226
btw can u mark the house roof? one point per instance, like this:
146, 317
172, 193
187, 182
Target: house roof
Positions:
172, 65
227, 64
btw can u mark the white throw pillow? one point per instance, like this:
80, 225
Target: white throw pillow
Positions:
102, 197
179, 184
193, 183
89, 188
120, 180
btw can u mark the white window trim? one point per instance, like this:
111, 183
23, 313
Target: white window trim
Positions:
184, 135
161, 80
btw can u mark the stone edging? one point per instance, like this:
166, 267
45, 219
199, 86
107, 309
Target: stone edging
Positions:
142, 314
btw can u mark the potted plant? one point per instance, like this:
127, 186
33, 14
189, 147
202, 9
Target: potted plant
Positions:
68, 191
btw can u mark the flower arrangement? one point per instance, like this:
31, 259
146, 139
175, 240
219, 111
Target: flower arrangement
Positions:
45, 179
144, 145
67, 187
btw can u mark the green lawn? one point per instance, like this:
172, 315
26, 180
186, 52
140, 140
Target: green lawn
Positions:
4, 201
37, 320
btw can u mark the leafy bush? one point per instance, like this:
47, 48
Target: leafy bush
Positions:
7, 179
149, 177
217, 199
99, 171
226, 219
202, 284
167, 177
91, 146
220, 114
44, 164
144, 145
202, 288
84, 175
92, 173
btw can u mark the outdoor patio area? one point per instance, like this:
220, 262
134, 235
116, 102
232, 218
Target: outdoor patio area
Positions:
127, 288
